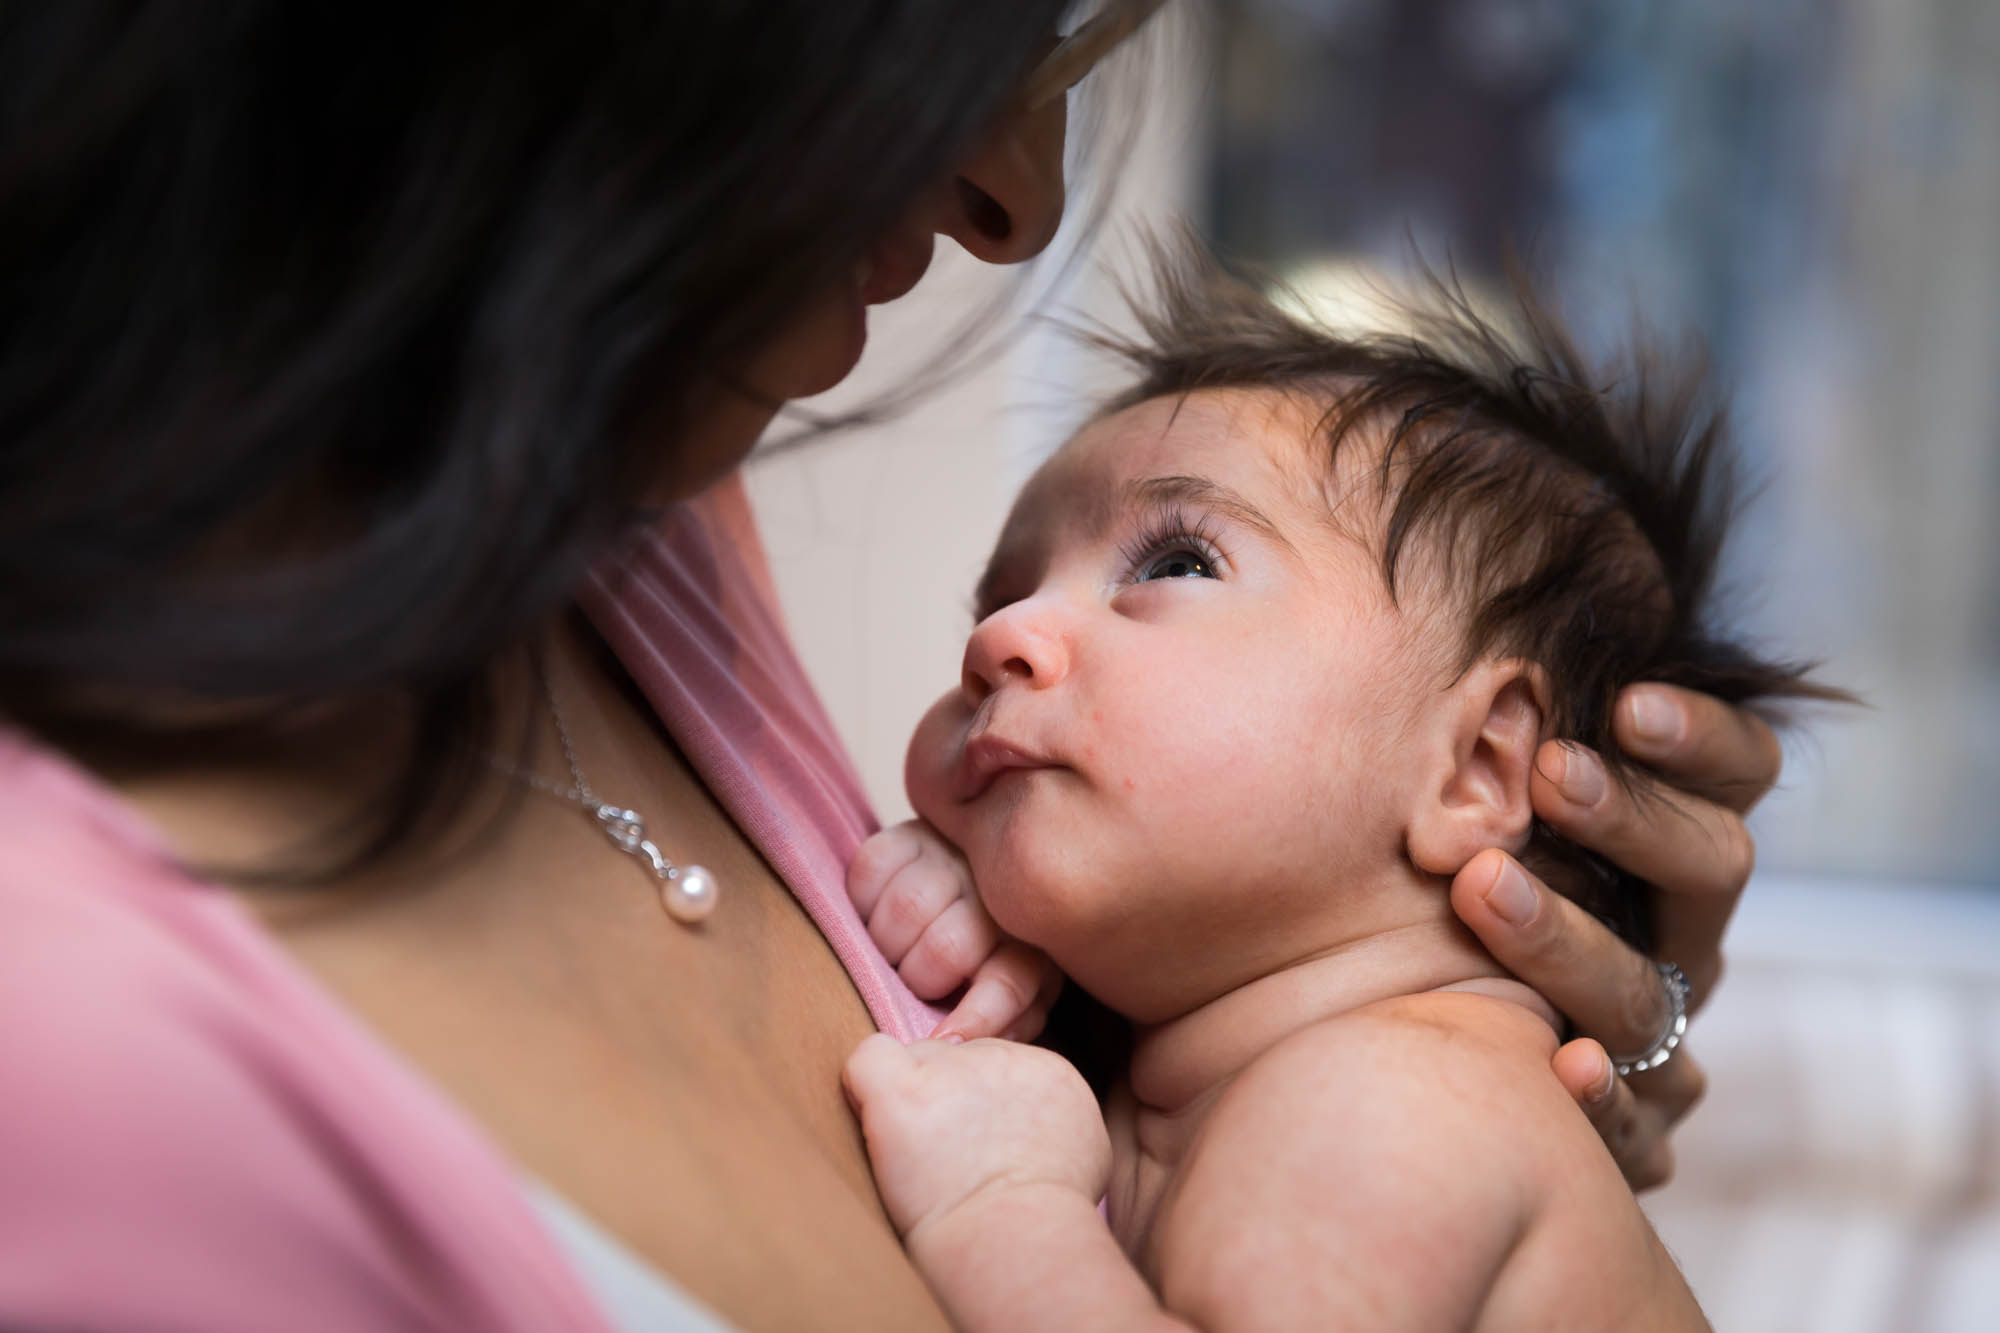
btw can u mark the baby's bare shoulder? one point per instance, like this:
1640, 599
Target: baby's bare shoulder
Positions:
1412, 1164
1451, 1070
1398, 1152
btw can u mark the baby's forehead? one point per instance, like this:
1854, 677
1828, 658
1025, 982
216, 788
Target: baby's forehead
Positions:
1270, 445
1248, 456
1247, 439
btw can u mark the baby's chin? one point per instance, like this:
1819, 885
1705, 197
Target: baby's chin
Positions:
1020, 891
1043, 879
1053, 902
1013, 895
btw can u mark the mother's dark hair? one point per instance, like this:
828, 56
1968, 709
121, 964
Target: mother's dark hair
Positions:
371, 298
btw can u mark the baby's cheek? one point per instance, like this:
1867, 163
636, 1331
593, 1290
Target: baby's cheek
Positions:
929, 762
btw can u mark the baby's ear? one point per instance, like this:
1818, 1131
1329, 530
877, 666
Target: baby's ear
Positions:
1477, 795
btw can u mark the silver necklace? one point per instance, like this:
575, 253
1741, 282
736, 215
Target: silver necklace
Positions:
687, 892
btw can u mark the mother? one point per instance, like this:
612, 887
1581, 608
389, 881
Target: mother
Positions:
336, 355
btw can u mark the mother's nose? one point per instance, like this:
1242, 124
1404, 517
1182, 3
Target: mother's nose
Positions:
1022, 643
1007, 199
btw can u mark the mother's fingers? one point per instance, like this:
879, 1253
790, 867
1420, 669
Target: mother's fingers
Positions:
1699, 741
1676, 842
1697, 852
1606, 989
1585, 1071
1634, 1124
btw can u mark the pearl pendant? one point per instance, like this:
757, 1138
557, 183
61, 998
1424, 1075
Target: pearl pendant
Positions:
688, 893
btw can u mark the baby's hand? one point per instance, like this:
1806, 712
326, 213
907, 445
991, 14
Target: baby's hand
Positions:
915, 892
946, 1120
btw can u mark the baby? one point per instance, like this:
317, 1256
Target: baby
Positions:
1263, 658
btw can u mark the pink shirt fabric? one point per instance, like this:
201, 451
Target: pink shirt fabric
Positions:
692, 615
194, 1135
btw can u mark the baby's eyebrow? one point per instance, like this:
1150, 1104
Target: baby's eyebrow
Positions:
1151, 491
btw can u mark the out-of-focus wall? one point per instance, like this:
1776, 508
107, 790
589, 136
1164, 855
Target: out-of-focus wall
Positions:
1879, 382
1844, 1174
1812, 187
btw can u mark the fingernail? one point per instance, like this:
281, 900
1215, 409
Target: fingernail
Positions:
1656, 719
1583, 776
1510, 896
949, 1038
1600, 1087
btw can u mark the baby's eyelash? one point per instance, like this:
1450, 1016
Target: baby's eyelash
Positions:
1165, 528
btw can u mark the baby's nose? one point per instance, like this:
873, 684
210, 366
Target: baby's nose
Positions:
1022, 642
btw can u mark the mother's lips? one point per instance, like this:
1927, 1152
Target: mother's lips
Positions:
986, 758
894, 266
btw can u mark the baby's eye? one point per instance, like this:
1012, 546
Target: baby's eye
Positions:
1183, 562
1170, 545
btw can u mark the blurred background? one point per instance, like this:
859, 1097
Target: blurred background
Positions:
1810, 186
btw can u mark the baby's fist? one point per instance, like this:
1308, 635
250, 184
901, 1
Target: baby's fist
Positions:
916, 896
946, 1120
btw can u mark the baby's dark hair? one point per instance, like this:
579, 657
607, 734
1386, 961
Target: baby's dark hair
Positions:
1575, 515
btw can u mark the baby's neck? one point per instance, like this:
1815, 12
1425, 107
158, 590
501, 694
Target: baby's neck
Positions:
1182, 1060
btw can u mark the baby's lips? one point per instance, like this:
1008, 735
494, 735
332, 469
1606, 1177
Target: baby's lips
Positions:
988, 756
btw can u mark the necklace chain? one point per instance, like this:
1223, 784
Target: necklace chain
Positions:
580, 792
687, 892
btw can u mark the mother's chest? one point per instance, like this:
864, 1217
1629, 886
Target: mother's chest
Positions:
680, 1088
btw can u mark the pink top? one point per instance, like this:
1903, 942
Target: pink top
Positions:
194, 1134
693, 617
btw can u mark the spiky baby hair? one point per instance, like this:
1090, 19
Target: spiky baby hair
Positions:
1573, 515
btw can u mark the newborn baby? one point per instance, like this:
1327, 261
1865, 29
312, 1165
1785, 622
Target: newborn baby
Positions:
1263, 658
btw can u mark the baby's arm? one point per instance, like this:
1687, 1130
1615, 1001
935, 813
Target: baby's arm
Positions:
914, 892
1410, 1166
991, 1157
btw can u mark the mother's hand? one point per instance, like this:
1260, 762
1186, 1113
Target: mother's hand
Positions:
1696, 853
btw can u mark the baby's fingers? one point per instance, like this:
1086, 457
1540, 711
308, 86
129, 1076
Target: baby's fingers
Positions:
877, 862
951, 949
911, 899
1009, 996
877, 1065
